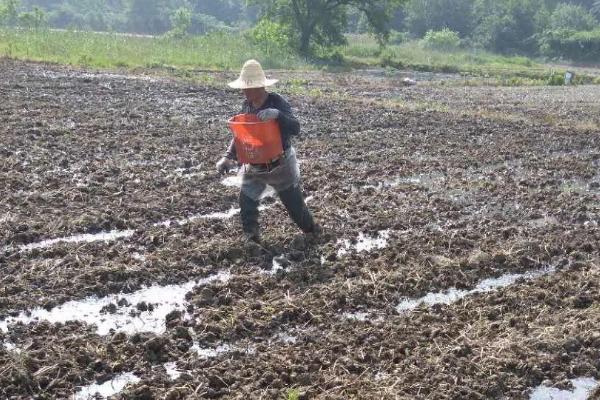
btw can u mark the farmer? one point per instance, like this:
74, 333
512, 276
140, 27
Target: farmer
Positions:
280, 172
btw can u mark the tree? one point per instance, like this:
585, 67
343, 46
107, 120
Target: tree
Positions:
435, 15
9, 12
508, 26
148, 16
574, 17
322, 22
33, 19
181, 20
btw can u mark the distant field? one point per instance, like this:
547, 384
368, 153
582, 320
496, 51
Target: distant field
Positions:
508, 70
227, 51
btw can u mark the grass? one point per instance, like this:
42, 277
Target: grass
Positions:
227, 51
221, 51
293, 394
507, 70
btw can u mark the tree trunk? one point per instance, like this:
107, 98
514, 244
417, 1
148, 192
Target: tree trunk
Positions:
305, 41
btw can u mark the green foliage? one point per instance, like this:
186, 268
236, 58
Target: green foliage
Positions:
571, 45
148, 16
34, 19
320, 24
434, 15
507, 26
398, 37
181, 20
571, 16
293, 394
85, 14
555, 79
272, 37
204, 23
9, 12
444, 40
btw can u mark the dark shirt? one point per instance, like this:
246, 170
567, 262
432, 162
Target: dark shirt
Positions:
288, 124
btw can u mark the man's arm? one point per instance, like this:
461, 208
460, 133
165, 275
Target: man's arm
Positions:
231, 152
288, 123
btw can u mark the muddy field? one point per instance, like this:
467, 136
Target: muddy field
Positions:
459, 258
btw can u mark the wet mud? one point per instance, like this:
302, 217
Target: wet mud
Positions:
458, 259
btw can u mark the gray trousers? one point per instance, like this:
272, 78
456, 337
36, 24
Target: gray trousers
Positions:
292, 199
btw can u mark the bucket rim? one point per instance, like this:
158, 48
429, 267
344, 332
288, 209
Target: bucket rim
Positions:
232, 122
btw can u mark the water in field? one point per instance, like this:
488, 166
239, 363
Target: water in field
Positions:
106, 389
452, 295
172, 371
85, 238
364, 243
583, 387
211, 352
141, 311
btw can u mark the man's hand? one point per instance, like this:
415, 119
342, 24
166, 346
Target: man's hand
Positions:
268, 114
224, 165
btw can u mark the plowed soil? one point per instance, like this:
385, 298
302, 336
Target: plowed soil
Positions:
471, 183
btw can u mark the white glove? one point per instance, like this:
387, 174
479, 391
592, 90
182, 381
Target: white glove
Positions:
224, 165
268, 114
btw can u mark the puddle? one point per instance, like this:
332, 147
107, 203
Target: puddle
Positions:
11, 347
141, 311
211, 352
138, 257
583, 388
284, 338
365, 243
86, 75
172, 370
452, 295
186, 173
356, 316
580, 186
280, 263
543, 222
86, 238
108, 388
232, 181
216, 215
427, 180
116, 234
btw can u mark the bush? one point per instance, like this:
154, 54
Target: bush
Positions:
508, 27
441, 40
203, 24
271, 36
9, 12
572, 45
181, 20
34, 19
399, 37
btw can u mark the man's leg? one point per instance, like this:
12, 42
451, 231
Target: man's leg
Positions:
249, 216
294, 202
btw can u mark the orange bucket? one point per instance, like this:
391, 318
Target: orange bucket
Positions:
256, 141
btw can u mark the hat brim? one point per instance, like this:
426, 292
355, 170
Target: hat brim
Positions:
240, 84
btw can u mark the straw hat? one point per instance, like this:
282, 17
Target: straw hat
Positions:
252, 76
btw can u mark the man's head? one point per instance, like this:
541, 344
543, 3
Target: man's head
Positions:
252, 76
